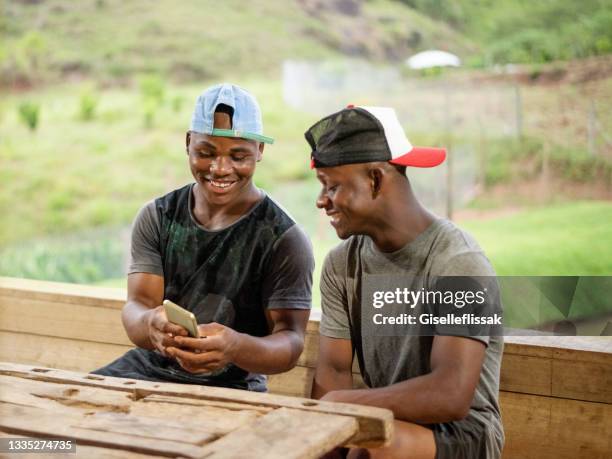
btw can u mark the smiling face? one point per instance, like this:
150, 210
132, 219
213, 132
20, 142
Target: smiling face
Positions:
346, 196
223, 167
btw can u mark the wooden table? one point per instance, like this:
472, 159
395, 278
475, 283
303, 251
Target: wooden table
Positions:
126, 418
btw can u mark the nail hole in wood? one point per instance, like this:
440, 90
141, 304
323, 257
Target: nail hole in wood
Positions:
129, 382
71, 392
309, 403
139, 394
95, 378
40, 370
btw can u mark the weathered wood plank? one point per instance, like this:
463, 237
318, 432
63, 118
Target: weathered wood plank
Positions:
549, 427
77, 294
111, 430
58, 318
155, 399
526, 374
61, 398
295, 382
375, 424
214, 418
596, 344
285, 433
581, 380
54, 352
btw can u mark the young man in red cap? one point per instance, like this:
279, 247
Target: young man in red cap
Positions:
224, 250
441, 382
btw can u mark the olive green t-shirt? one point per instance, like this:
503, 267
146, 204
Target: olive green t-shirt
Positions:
441, 250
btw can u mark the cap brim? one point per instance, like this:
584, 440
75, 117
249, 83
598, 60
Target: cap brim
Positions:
421, 157
242, 135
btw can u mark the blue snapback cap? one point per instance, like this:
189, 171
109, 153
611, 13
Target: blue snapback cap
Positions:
246, 121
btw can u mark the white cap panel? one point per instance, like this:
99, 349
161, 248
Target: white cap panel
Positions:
396, 137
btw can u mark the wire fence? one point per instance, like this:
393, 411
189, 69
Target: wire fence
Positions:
461, 111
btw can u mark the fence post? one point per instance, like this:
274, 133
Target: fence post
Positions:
518, 111
449, 154
482, 156
545, 173
592, 129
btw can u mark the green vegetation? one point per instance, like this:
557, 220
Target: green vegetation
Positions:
87, 106
513, 160
29, 114
80, 258
527, 32
115, 111
564, 239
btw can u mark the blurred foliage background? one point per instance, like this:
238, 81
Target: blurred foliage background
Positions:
96, 97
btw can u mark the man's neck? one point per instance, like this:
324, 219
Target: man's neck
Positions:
215, 217
403, 222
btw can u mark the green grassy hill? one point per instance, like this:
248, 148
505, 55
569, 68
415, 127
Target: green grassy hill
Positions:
112, 40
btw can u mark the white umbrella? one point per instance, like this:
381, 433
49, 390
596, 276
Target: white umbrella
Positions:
433, 58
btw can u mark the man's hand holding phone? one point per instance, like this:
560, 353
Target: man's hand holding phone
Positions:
214, 350
162, 332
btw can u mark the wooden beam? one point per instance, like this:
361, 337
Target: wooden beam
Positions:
284, 433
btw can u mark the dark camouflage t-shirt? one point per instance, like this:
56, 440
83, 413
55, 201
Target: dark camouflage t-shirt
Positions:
229, 276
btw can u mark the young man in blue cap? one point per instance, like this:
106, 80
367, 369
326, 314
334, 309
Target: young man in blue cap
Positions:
224, 250
441, 382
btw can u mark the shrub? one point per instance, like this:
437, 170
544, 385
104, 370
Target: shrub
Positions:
87, 106
29, 113
177, 103
149, 110
152, 88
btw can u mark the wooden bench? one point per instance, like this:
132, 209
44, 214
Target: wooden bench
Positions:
556, 392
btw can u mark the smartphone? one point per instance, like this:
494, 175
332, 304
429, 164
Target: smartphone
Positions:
182, 317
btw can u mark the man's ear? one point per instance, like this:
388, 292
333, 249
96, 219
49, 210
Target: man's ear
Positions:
187, 141
375, 174
261, 150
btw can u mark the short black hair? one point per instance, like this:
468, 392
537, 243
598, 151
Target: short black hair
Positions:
222, 108
400, 169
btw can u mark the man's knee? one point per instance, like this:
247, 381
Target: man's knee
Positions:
410, 441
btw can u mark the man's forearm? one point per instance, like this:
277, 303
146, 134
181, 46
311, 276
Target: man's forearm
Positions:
134, 317
331, 380
270, 354
424, 400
